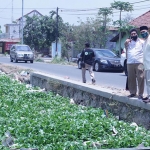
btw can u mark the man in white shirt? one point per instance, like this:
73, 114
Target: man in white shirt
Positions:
146, 60
134, 47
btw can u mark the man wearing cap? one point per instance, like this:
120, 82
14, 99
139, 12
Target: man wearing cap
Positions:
146, 59
87, 57
134, 47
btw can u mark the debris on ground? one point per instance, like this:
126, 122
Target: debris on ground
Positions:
17, 73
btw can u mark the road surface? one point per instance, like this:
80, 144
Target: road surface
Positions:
106, 79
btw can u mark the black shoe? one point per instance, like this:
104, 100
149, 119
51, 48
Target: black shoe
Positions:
131, 95
146, 101
93, 81
140, 97
145, 98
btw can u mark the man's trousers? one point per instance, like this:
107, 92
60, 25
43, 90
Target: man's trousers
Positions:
147, 79
90, 68
136, 78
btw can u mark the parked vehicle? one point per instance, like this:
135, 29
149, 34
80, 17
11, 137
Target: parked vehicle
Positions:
124, 61
105, 60
20, 52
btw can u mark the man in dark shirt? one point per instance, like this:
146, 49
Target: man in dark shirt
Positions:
87, 57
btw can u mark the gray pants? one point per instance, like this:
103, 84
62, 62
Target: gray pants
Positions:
90, 68
136, 75
147, 79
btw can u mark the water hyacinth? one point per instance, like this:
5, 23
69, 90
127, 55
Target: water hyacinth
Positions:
45, 121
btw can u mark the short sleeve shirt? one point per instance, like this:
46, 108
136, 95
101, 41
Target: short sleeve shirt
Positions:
87, 56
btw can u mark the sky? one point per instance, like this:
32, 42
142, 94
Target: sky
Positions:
71, 11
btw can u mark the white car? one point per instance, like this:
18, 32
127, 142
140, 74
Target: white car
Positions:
123, 61
20, 52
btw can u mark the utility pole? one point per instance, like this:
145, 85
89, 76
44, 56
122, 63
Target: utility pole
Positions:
56, 32
22, 24
120, 36
12, 12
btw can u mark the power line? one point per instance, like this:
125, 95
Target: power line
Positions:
81, 14
141, 5
142, 8
4, 18
82, 10
75, 10
30, 8
6, 7
139, 1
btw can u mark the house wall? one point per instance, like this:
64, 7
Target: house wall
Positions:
111, 45
122, 42
24, 20
1, 47
12, 30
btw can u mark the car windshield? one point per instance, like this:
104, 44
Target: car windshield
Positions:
105, 53
23, 48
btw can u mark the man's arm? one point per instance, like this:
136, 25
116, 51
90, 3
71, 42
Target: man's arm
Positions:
82, 54
126, 44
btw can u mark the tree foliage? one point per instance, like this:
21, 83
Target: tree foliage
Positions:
40, 32
92, 31
0, 30
105, 11
122, 6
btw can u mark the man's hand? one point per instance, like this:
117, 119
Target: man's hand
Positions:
127, 43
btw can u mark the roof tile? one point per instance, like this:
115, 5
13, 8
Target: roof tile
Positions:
143, 20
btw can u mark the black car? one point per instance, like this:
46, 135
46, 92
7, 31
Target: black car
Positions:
104, 59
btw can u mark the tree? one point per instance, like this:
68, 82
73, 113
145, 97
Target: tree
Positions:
105, 12
40, 32
92, 31
0, 30
121, 6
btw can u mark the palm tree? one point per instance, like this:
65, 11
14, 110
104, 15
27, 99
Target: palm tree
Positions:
121, 6
105, 12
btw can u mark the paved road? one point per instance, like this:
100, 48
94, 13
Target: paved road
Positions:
108, 79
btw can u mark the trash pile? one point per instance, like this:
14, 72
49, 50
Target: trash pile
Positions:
22, 75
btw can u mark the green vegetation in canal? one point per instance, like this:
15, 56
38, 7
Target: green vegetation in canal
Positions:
49, 122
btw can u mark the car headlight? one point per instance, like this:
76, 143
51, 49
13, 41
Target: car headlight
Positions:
20, 55
104, 61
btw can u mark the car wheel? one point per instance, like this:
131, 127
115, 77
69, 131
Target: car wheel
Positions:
125, 68
11, 60
31, 61
97, 67
15, 60
79, 64
25, 61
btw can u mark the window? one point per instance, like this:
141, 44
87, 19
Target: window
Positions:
23, 48
105, 53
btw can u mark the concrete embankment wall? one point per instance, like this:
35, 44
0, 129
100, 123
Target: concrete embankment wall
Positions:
132, 110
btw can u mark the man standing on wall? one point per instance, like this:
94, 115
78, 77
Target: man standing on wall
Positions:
146, 60
87, 57
134, 47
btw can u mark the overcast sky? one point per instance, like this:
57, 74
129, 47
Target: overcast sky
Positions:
68, 9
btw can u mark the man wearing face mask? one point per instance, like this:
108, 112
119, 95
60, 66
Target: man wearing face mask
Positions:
135, 68
146, 60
